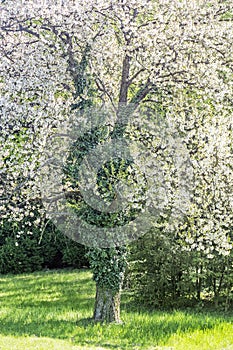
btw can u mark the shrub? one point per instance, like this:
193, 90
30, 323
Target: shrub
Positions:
24, 249
162, 274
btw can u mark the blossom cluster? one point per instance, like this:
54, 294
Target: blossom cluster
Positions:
53, 53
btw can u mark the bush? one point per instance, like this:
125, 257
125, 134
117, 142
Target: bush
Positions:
162, 274
24, 249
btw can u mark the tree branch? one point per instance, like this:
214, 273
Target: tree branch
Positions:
124, 80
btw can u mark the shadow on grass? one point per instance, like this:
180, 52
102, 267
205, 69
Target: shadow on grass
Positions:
86, 331
140, 331
60, 306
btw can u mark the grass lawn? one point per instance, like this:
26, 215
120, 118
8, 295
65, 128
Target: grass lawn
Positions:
52, 310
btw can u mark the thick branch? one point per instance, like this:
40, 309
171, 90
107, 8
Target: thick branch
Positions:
135, 76
124, 80
141, 93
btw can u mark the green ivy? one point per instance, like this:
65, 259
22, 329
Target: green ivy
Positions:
108, 266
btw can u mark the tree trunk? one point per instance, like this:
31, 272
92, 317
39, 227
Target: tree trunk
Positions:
107, 305
108, 266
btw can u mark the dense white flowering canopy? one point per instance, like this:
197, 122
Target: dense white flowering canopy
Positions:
129, 52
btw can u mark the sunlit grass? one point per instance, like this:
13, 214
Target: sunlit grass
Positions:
53, 310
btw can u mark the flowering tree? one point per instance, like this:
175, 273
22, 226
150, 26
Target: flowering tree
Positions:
61, 58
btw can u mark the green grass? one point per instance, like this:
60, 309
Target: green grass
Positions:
52, 310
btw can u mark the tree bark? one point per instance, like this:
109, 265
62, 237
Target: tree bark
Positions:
107, 305
124, 80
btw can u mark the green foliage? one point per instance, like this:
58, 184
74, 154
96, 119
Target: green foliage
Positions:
23, 248
163, 274
158, 270
108, 266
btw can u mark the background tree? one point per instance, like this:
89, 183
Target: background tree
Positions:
60, 57
23, 248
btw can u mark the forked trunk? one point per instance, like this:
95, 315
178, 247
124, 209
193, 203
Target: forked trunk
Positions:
107, 305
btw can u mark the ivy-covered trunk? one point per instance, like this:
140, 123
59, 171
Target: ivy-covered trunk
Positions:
108, 266
107, 305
